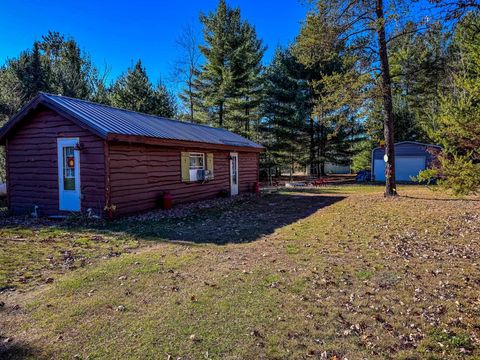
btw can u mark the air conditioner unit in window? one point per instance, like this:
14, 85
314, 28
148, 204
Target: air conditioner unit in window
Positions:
204, 175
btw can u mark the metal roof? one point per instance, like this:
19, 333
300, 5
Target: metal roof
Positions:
106, 120
409, 142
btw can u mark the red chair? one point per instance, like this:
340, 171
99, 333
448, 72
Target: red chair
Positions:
320, 182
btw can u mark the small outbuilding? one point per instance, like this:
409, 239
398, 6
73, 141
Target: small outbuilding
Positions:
68, 155
410, 158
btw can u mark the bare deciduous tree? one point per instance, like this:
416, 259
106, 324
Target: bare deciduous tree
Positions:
186, 68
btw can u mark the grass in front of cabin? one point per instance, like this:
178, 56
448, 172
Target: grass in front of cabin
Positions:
361, 277
30, 255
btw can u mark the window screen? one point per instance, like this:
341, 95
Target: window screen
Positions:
197, 161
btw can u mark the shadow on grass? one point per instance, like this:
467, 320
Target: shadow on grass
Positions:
16, 351
242, 222
330, 189
439, 199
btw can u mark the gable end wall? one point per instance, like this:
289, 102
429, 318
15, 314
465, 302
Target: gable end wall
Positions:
32, 164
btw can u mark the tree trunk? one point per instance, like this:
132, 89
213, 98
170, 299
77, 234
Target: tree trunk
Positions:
390, 188
247, 116
322, 145
220, 114
190, 91
312, 147
292, 166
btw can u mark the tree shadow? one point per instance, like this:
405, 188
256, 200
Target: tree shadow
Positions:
245, 221
439, 199
16, 351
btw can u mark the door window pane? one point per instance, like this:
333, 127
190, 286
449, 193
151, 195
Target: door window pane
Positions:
234, 170
68, 168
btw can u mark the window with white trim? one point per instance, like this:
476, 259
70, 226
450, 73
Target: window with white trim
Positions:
197, 162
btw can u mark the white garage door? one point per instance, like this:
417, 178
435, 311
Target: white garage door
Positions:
405, 167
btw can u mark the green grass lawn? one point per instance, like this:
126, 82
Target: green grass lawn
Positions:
337, 272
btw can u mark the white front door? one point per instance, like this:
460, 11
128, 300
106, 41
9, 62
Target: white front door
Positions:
68, 174
233, 174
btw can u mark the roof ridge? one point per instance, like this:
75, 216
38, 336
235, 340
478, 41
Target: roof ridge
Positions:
133, 111
104, 120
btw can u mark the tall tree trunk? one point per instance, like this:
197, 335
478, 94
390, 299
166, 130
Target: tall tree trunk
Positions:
390, 187
322, 149
247, 119
292, 165
247, 114
312, 147
190, 92
220, 114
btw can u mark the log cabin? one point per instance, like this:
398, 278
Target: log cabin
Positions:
67, 155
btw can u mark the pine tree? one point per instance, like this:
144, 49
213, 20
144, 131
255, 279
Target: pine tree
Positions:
133, 90
69, 71
164, 102
285, 111
458, 121
336, 89
364, 27
36, 80
248, 87
228, 80
215, 81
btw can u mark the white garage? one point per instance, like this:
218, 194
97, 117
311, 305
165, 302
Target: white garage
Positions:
410, 158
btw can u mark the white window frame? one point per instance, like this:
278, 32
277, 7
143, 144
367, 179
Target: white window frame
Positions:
193, 170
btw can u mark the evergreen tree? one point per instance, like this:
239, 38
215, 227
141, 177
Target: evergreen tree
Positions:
363, 158
69, 71
164, 102
336, 89
215, 80
21, 79
419, 71
133, 90
248, 92
285, 110
365, 27
35, 73
54, 65
228, 80
458, 128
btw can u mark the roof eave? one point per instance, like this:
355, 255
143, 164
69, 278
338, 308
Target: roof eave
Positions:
10, 124
32, 105
410, 142
179, 143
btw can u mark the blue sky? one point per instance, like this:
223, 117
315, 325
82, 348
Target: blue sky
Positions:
119, 32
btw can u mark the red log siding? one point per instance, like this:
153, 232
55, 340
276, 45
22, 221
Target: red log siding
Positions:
140, 173
247, 171
32, 164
